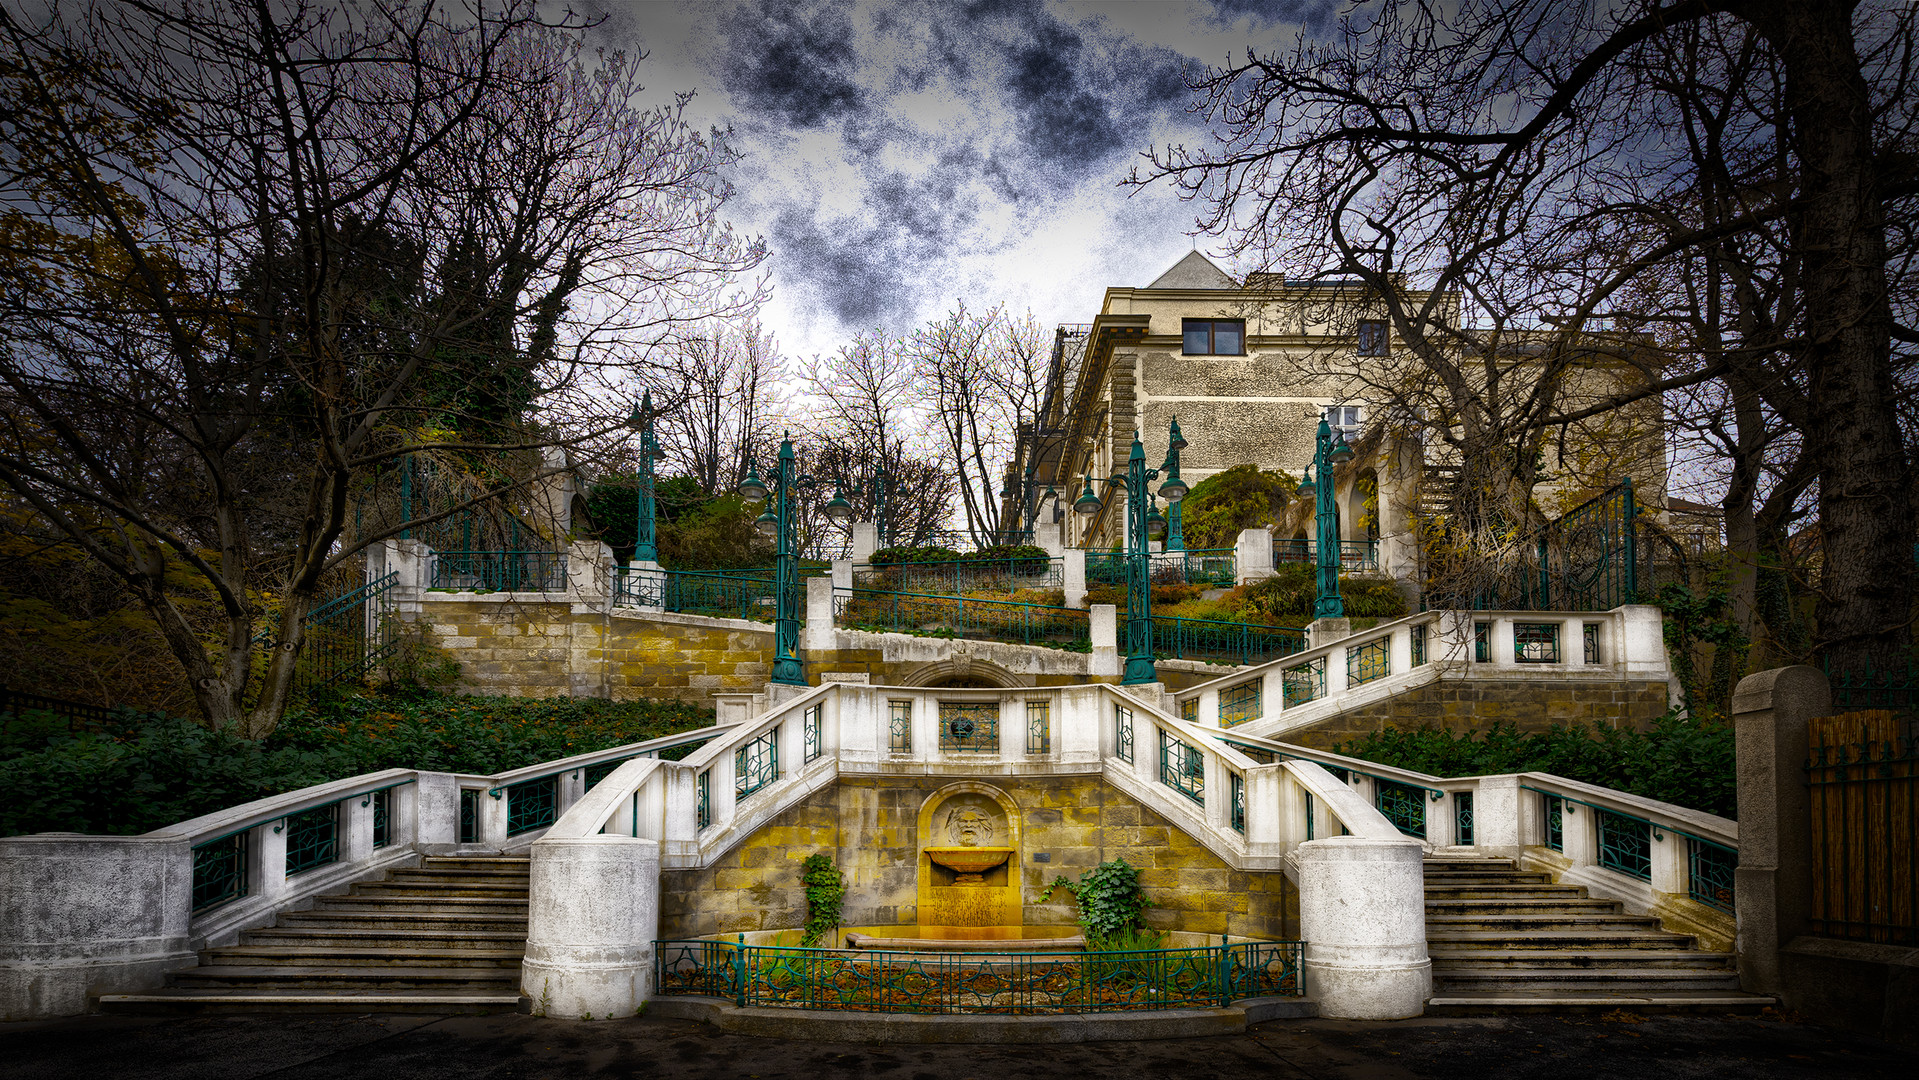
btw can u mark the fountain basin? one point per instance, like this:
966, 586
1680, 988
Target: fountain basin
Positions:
969, 862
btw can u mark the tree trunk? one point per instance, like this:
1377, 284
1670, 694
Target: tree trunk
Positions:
1865, 515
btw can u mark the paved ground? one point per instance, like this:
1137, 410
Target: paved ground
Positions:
395, 1047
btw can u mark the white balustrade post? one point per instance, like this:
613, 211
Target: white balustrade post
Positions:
1252, 556
842, 573
268, 868
1579, 833
816, 635
1336, 671
1207, 712
1362, 913
1263, 810
1642, 643
433, 803
569, 787
356, 828
1073, 577
589, 573
1671, 863
1498, 824
866, 540
593, 912
496, 804
1103, 625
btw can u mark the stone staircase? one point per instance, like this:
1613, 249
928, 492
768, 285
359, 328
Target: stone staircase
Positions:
1509, 939
444, 937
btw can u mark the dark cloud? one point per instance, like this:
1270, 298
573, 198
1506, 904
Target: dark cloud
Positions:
793, 60
1277, 11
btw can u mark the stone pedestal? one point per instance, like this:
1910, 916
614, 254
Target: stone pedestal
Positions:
1073, 577
593, 912
1772, 887
1103, 624
1252, 556
1326, 631
1362, 914
866, 540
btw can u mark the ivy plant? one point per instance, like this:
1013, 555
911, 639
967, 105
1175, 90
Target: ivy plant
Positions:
1110, 901
825, 893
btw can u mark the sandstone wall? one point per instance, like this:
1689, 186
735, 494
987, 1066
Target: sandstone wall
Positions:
1476, 704
869, 826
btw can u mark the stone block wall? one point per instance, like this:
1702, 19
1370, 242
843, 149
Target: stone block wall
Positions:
869, 826
1476, 704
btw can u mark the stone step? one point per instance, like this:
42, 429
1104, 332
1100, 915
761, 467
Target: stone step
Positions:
1573, 937
332, 956
436, 891
1565, 1001
1532, 922
1601, 980
180, 1001
398, 937
1520, 905
348, 978
1505, 892
450, 876
429, 920
465, 905
1448, 960
1490, 880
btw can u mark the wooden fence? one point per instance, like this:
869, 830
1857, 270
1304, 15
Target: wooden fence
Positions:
1865, 804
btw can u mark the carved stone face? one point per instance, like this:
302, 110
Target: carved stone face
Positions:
969, 826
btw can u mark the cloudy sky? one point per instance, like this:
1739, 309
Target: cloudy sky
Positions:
900, 156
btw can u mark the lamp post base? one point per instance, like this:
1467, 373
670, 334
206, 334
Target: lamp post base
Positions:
788, 671
1139, 669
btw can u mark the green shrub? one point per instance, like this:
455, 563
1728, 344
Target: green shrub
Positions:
142, 771
1681, 761
825, 894
1110, 901
1242, 497
1287, 597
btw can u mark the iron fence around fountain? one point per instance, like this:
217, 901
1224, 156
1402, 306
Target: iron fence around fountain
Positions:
978, 983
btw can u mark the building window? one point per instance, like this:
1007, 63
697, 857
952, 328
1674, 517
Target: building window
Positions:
1344, 419
1372, 337
1214, 337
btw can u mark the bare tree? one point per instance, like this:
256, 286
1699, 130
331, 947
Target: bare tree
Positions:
1524, 163
258, 255
720, 397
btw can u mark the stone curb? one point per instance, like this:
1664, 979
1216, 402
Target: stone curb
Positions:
824, 1025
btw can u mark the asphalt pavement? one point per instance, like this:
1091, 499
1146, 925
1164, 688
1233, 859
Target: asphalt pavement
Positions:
1619, 1046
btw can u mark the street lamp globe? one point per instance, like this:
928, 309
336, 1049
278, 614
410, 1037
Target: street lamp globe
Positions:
1155, 524
838, 510
1087, 503
752, 489
768, 524
1306, 488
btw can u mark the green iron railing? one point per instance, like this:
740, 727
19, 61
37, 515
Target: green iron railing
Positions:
1123, 733
1106, 568
1302, 683
1555, 823
1240, 703
810, 734
964, 576
220, 871
719, 594
1401, 804
704, 789
1709, 877
469, 815
15, 704
899, 715
1238, 819
381, 804
530, 804
1368, 661
1463, 817
756, 764
1354, 555
1535, 643
1181, 767
499, 571
926, 615
1002, 983
1039, 727
969, 725
1625, 844
1871, 688
1195, 566
313, 838
1216, 642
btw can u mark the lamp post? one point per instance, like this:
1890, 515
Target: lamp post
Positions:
646, 547
1175, 529
777, 524
1030, 500
1328, 451
1143, 520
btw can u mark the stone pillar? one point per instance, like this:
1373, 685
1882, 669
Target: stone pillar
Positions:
1498, 825
435, 799
866, 540
1326, 631
593, 912
408, 561
1073, 577
1362, 914
816, 634
80, 912
1772, 888
1103, 622
1252, 556
589, 573
842, 573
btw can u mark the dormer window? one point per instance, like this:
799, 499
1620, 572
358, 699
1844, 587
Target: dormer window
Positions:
1372, 337
1214, 337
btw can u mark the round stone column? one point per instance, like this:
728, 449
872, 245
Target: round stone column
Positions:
593, 912
1362, 913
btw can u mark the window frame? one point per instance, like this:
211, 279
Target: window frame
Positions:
1382, 345
1187, 326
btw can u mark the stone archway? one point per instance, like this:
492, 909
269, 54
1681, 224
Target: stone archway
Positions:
963, 671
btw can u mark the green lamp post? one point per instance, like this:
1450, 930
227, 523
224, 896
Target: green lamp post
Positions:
646, 547
777, 524
1328, 450
1143, 521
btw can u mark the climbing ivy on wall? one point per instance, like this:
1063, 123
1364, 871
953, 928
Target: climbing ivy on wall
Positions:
1110, 902
825, 894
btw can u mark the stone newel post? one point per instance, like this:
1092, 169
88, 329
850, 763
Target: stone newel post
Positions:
594, 910
1362, 913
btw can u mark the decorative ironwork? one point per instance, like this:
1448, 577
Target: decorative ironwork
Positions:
1039, 727
1555, 823
704, 789
927, 615
1182, 768
756, 764
965, 577
1238, 704
1404, 806
810, 732
1483, 642
1372, 660
499, 571
899, 737
1591, 637
1238, 819
1309, 815
1003, 983
593, 774
469, 816
313, 838
1625, 845
532, 804
1709, 873
1587, 560
969, 725
1189, 710
1215, 642
219, 871
1123, 733
1355, 556
382, 818
1535, 643
1418, 636
1463, 817
1302, 683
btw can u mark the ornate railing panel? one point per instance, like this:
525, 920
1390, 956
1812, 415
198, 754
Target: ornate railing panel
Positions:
1217, 642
